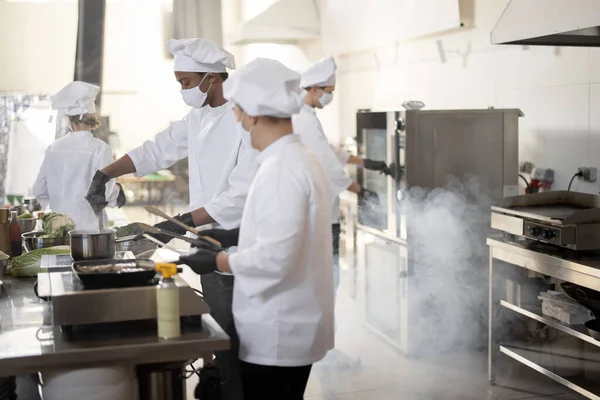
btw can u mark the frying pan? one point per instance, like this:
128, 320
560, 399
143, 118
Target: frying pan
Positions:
118, 276
593, 328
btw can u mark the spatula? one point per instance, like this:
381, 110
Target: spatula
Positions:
159, 213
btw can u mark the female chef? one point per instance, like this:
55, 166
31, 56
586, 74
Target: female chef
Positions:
71, 161
283, 293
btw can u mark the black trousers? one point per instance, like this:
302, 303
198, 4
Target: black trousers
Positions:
263, 382
218, 292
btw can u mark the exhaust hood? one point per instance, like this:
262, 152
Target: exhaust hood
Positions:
549, 23
284, 22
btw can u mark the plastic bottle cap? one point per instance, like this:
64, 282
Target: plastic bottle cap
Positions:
167, 270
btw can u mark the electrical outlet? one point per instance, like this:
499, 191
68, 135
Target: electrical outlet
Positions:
590, 174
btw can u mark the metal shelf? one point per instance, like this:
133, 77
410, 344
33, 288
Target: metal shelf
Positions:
525, 353
577, 331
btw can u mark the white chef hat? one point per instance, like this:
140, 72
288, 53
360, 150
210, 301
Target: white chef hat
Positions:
265, 87
77, 98
200, 55
321, 73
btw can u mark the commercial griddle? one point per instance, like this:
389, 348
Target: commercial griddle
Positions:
73, 304
561, 218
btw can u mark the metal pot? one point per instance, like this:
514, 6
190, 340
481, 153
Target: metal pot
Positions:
92, 244
33, 240
3, 267
27, 224
32, 204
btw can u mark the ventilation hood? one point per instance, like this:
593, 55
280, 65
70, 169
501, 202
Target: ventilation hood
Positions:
549, 23
284, 22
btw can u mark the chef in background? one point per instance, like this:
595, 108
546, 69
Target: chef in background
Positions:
221, 167
319, 83
283, 294
71, 161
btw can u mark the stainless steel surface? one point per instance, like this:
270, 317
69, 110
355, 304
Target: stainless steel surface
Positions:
137, 247
549, 23
3, 266
32, 241
92, 245
580, 268
27, 225
100, 217
74, 305
514, 353
29, 341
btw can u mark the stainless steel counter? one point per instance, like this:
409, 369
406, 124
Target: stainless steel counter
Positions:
569, 357
29, 342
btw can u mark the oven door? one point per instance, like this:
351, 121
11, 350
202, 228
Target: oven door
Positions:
382, 286
378, 140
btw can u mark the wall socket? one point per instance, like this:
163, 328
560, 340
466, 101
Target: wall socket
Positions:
590, 174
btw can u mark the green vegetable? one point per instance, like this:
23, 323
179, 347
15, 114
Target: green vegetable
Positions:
29, 264
128, 230
3, 256
25, 216
56, 224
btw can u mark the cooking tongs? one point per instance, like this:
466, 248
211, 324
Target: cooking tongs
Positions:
203, 242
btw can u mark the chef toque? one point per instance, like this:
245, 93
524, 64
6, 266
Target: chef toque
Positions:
200, 55
265, 87
77, 98
321, 74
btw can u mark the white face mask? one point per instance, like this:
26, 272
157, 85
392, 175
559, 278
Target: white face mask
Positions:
246, 135
325, 99
195, 97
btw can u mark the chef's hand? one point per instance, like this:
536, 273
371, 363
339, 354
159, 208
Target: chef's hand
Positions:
96, 194
368, 196
374, 165
121, 199
172, 227
225, 237
201, 262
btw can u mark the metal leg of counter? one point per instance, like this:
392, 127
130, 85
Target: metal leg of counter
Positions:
492, 345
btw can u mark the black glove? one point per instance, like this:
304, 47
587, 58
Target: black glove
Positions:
96, 194
172, 227
368, 196
373, 165
201, 262
121, 200
225, 237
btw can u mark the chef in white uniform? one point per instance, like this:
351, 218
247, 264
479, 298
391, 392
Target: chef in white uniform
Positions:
283, 295
71, 161
221, 168
319, 82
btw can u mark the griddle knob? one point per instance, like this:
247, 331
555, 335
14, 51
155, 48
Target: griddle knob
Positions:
535, 231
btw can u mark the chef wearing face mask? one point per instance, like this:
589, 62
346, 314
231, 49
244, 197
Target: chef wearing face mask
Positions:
71, 161
283, 295
221, 168
319, 82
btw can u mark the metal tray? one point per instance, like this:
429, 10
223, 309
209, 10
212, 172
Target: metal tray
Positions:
104, 280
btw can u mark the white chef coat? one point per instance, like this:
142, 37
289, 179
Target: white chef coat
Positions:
308, 126
283, 292
65, 175
221, 163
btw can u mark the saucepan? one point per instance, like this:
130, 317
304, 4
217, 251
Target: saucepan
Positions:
34, 240
92, 244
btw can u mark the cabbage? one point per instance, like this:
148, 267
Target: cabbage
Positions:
3, 256
57, 225
29, 263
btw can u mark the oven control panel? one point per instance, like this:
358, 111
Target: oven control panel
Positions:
546, 233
